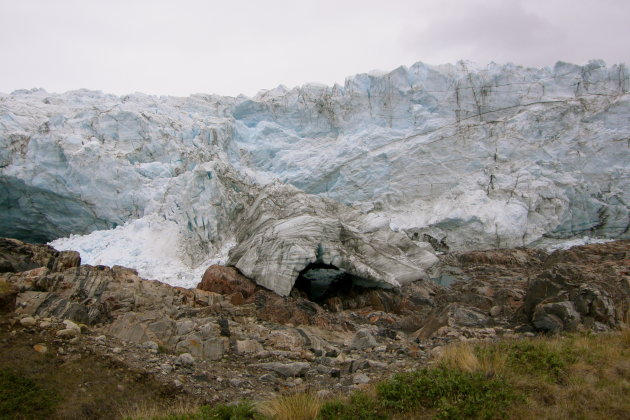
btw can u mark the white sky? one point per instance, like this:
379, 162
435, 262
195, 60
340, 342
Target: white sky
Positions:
229, 47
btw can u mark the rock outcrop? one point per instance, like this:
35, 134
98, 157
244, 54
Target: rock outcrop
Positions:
586, 288
238, 340
492, 293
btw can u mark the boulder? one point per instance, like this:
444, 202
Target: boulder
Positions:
288, 340
40, 348
362, 340
567, 296
214, 348
286, 370
28, 321
190, 344
67, 333
70, 325
248, 346
591, 301
360, 378
555, 317
150, 345
226, 281
453, 316
185, 360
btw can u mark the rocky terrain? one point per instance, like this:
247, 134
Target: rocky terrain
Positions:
230, 339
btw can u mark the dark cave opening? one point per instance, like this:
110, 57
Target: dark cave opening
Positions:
320, 283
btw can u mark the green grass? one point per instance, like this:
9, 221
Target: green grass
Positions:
242, 411
452, 393
446, 393
21, 398
532, 357
359, 406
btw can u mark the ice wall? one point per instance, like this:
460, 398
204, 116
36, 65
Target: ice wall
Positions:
473, 157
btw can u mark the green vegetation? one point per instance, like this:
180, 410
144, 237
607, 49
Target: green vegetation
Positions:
359, 406
21, 398
532, 357
446, 393
452, 393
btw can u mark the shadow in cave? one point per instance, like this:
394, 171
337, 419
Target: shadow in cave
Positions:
320, 282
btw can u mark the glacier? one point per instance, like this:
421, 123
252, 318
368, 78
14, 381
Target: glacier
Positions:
457, 156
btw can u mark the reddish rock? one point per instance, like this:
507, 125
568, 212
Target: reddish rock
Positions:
226, 281
237, 298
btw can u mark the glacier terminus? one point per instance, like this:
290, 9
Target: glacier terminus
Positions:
368, 179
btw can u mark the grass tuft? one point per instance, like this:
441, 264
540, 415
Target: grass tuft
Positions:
304, 406
459, 356
466, 358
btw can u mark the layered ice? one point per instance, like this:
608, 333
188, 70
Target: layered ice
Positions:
459, 155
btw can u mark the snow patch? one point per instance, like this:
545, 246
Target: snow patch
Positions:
564, 245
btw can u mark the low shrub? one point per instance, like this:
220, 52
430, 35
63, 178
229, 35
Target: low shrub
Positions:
451, 393
22, 398
241, 411
530, 357
359, 406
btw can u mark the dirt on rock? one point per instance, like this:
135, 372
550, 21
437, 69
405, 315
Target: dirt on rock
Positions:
86, 382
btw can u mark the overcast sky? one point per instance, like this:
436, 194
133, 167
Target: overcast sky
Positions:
229, 47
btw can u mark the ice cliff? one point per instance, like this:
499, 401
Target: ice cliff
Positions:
452, 155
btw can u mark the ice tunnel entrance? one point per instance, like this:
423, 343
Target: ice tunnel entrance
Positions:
317, 279
322, 281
